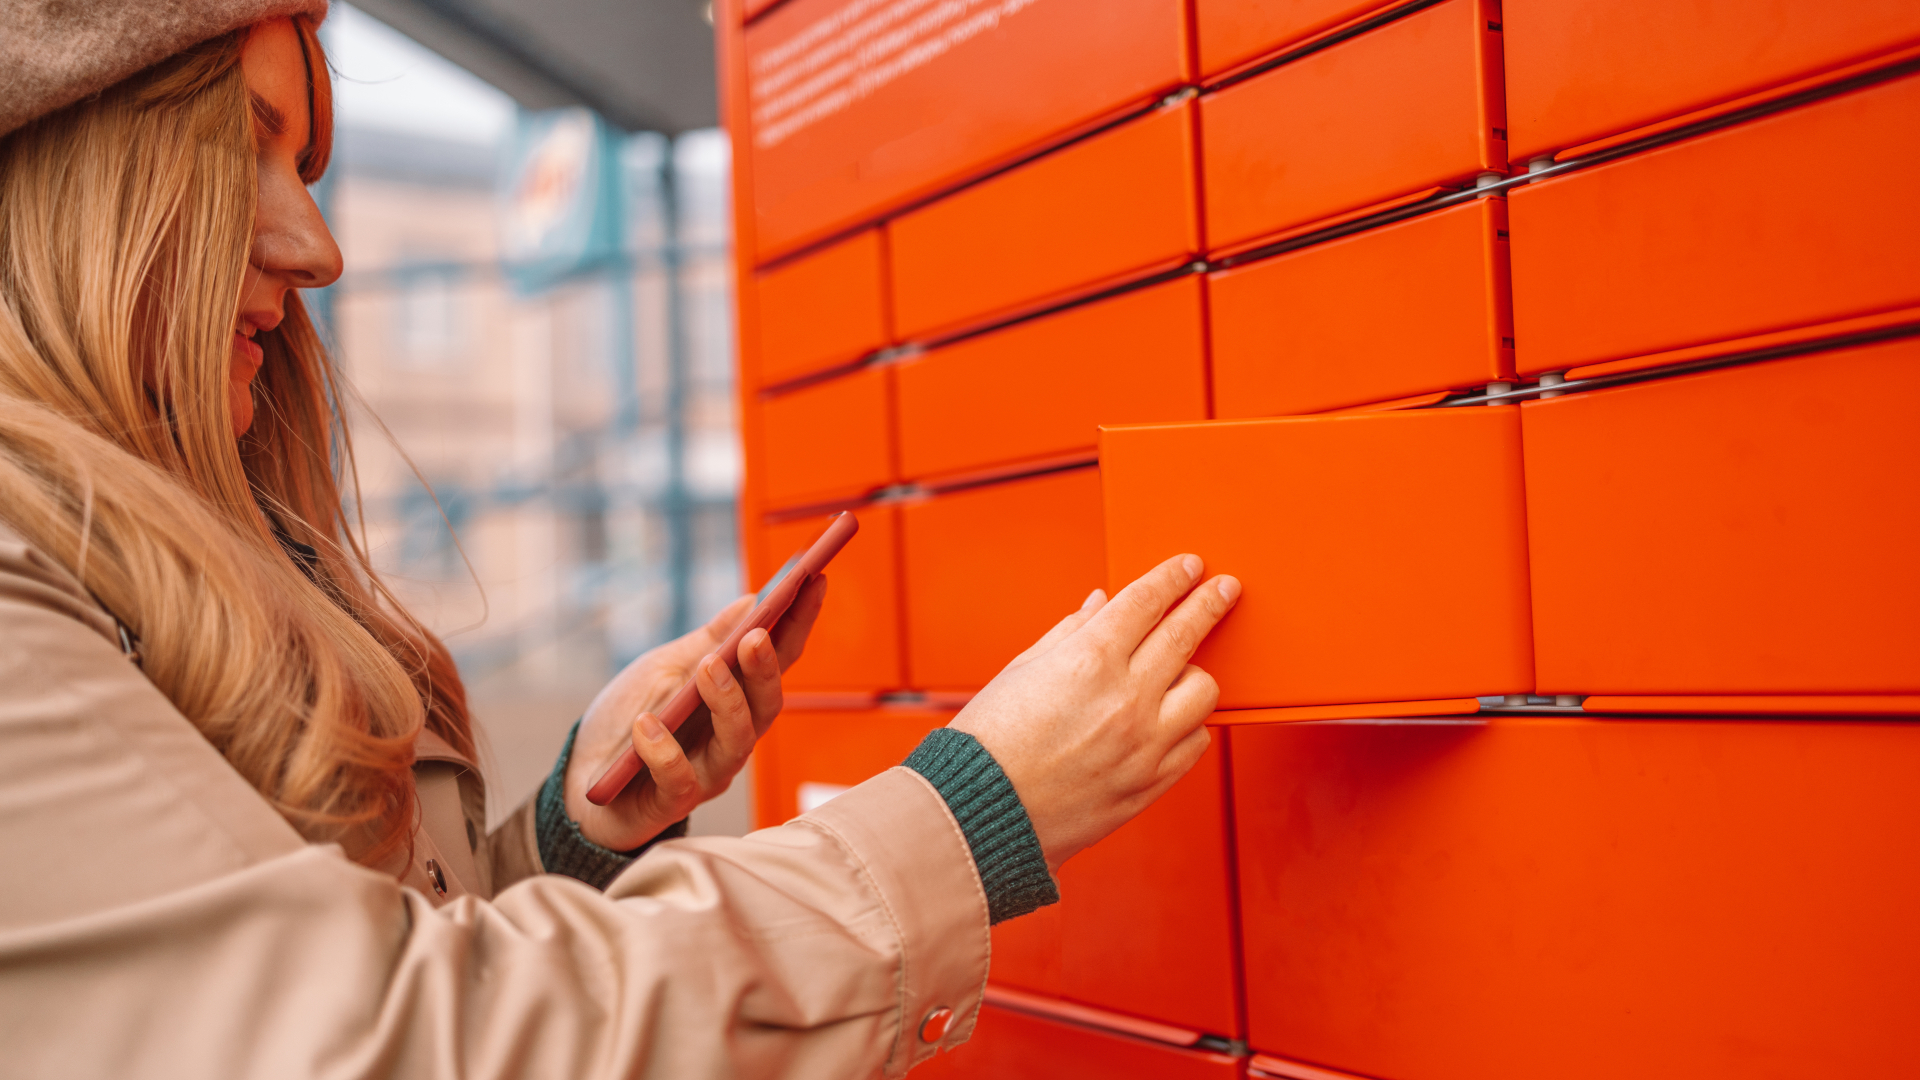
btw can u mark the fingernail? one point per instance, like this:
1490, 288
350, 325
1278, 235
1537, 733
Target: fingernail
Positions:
717, 670
1094, 599
1192, 565
1229, 587
650, 727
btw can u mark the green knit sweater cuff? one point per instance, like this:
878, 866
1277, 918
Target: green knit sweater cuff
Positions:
1005, 850
564, 849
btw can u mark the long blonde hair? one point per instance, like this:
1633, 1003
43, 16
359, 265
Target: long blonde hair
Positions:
125, 227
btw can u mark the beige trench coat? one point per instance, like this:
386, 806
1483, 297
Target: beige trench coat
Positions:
158, 918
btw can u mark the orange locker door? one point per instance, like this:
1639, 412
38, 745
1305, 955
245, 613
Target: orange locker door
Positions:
1384, 556
1146, 919
857, 107
1144, 926
809, 756
990, 569
830, 441
1027, 952
855, 645
1406, 107
1702, 241
1041, 389
1578, 70
1011, 1045
1583, 900
1417, 306
1744, 531
1233, 32
822, 310
1118, 204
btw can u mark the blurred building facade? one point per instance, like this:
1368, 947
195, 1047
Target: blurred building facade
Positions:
547, 455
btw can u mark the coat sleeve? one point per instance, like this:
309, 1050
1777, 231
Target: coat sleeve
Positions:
513, 849
160, 919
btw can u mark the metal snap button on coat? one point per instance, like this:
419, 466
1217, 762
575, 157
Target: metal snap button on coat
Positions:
934, 1027
440, 880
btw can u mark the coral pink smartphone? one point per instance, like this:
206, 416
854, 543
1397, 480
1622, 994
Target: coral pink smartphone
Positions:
774, 600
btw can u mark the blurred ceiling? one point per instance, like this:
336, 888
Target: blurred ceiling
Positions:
645, 65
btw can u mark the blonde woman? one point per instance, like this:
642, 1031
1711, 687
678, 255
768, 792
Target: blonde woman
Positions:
241, 826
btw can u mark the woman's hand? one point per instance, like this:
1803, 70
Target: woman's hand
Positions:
678, 779
1100, 717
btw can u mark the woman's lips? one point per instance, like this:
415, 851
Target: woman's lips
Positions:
248, 351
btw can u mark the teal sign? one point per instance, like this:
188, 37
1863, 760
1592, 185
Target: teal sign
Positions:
560, 198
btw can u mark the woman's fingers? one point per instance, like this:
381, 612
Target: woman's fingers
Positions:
1170, 645
733, 733
685, 651
760, 672
1061, 630
708, 637
1132, 613
676, 783
1182, 758
790, 633
727, 618
1179, 759
1188, 703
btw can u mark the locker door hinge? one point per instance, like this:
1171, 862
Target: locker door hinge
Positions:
894, 353
1220, 1044
899, 493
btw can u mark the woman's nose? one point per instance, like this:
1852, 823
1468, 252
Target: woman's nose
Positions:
291, 237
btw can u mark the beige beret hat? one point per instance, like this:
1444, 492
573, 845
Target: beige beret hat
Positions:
55, 52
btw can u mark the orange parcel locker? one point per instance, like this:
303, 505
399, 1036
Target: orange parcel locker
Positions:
1051, 227
1041, 389
1027, 952
1410, 106
856, 107
990, 569
1417, 306
1700, 241
823, 309
1233, 32
1144, 926
1743, 531
1581, 899
855, 645
1383, 556
809, 756
1578, 70
1146, 919
1011, 1045
829, 441
752, 526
